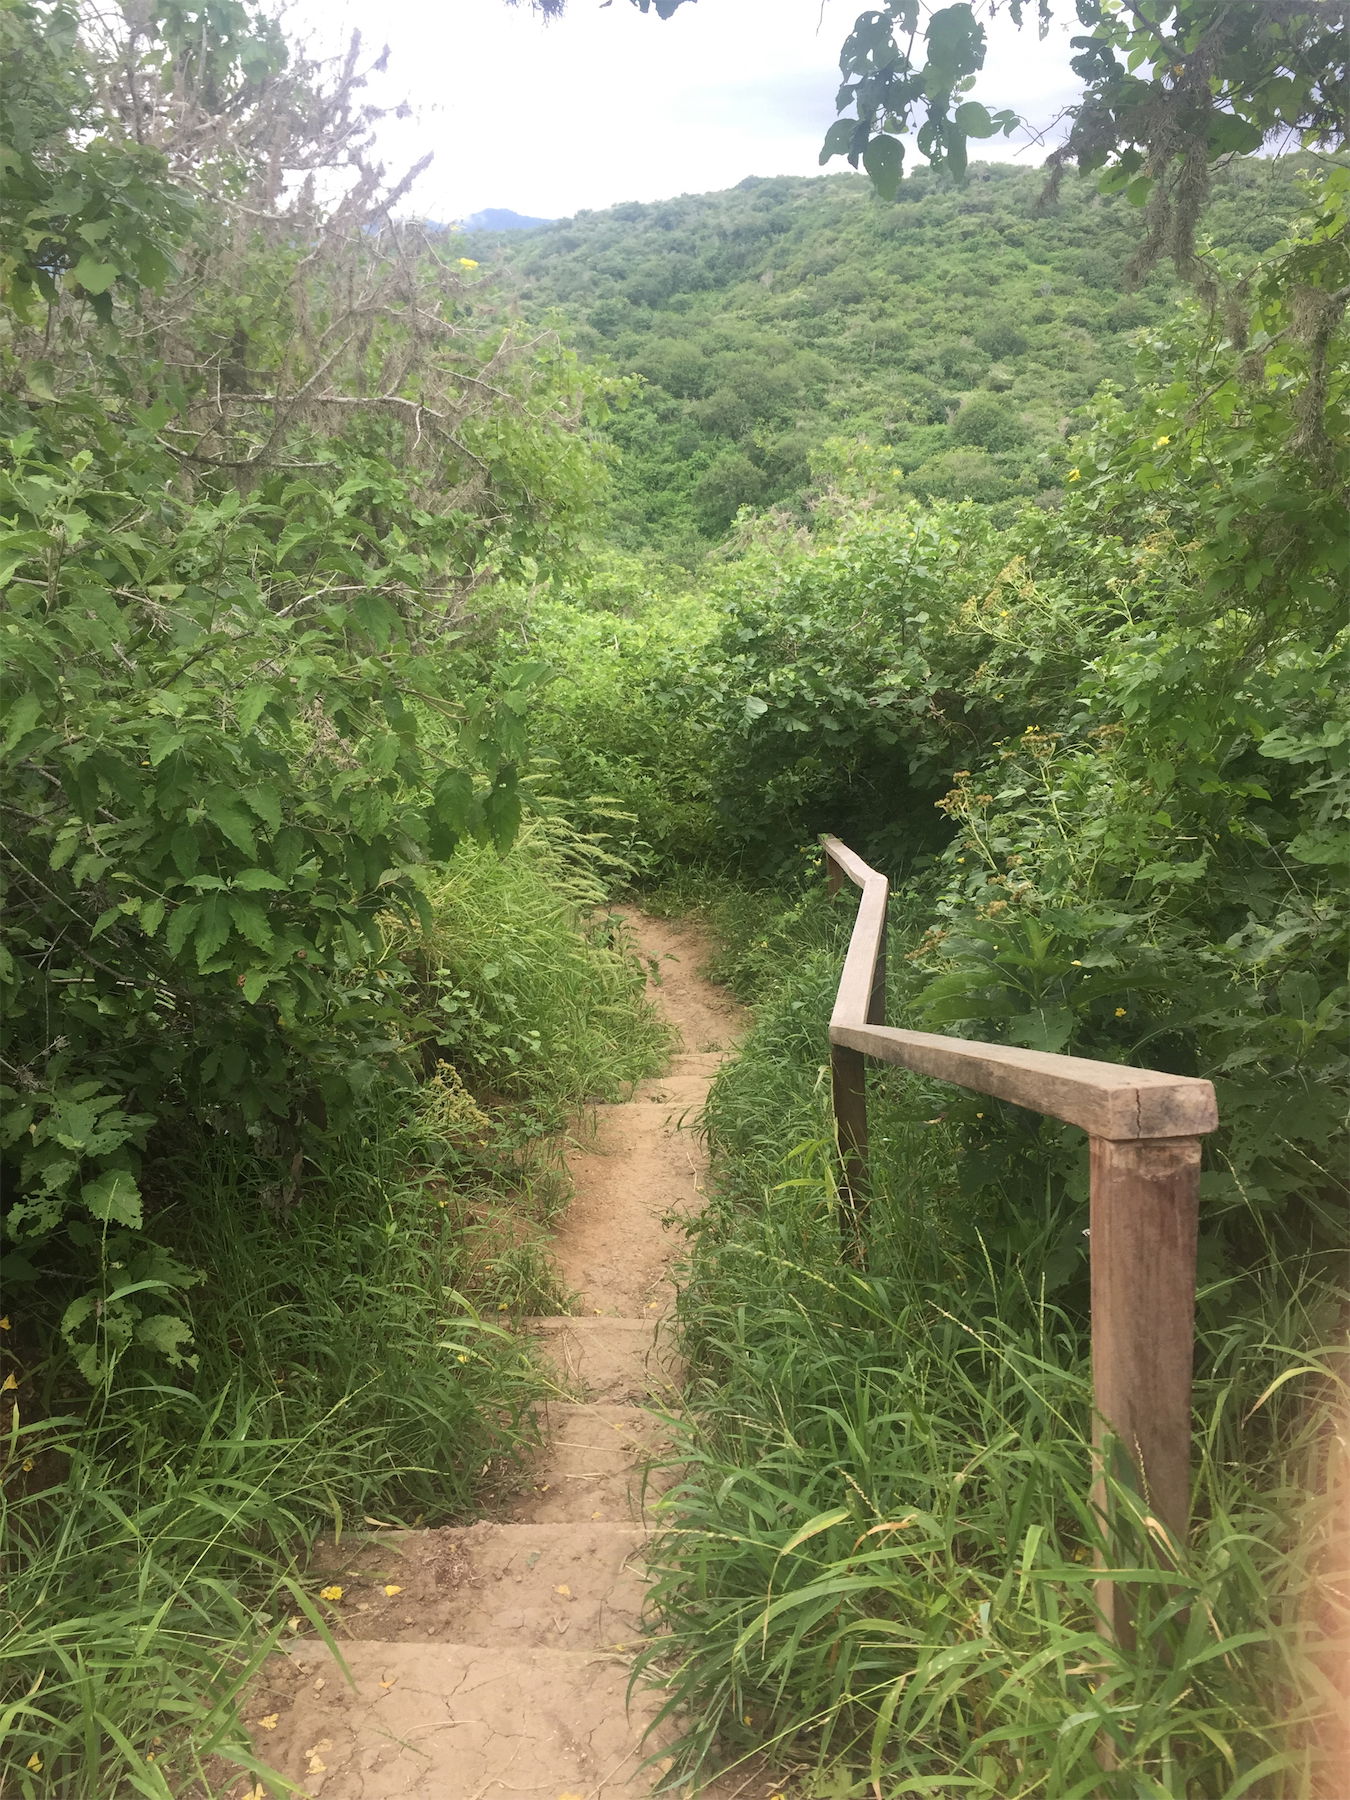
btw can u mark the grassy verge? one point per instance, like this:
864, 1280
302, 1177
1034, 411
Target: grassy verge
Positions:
879, 1565
352, 1353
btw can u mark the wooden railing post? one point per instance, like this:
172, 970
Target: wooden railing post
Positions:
848, 1082
1145, 1209
876, 999
834, 875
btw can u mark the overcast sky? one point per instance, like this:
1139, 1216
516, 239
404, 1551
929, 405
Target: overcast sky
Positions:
608, 104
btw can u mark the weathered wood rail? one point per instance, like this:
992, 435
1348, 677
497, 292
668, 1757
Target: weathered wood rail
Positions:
1145, 1129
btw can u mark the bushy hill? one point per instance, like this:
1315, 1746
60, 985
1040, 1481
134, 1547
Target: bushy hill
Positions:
961, 326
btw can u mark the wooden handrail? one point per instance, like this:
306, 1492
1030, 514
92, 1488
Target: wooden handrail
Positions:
1145, 1129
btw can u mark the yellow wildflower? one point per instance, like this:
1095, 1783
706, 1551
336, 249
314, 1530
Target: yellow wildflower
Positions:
1074, 475
390, 1590
1120, 1012
1159, 442
330, 1593
467, 262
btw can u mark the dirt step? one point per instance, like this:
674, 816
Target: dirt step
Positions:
457, 1722
600, 1358
591, 1470
563, 1587
697, 1062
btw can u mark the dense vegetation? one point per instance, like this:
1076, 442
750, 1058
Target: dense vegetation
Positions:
272, 920
964, 327
330, 722
1102, 747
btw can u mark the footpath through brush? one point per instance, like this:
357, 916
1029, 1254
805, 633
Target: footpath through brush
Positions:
492, 1662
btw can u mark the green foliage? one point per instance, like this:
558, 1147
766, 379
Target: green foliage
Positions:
879, 1562
80, 208
1165, 98
788, 312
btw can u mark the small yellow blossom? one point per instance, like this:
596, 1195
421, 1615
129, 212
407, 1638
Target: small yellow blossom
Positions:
1076, 963
1120, 1012
1074, 475
467, 262
330, 1593
269, 1721
461, 1358
745, 1718
28, 1465
390, 1589
1159, 442
35, 1763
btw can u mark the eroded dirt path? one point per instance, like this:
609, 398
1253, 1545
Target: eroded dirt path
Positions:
492, 1662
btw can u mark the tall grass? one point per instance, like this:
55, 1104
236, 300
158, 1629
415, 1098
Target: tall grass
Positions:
878, 1565
353, 1356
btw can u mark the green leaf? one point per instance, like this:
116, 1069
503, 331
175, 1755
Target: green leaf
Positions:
883, 159
256, 879
114, 1198
229, 819
251, 922
23, 716
181, 926
974, 120
93, 276
168, 1334
838, 139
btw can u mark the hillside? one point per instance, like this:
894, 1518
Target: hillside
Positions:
960, 326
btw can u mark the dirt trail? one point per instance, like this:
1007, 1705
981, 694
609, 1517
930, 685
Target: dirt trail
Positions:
497, 1667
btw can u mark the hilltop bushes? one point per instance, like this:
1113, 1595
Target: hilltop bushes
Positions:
767, 319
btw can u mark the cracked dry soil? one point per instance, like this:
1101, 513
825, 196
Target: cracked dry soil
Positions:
492, 1662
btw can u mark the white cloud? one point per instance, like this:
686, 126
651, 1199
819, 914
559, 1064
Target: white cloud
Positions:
607, 104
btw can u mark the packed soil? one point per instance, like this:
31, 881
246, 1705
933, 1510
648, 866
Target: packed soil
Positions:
492, 1662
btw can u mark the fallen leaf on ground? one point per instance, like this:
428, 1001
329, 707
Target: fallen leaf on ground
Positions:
270, 1722
564, 1590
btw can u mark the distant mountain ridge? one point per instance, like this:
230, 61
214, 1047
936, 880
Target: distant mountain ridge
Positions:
501, 218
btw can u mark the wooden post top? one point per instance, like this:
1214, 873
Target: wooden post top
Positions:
1108, 1100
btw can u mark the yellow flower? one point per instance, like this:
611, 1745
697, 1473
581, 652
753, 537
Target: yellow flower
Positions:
330, 1593
1074, 475
467, 262
1120, 1012
1076, 963
1159, 442
34, 1763
391, 1590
